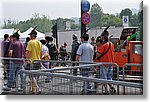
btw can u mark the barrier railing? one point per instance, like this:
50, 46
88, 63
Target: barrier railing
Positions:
63, 84
10, 68
63, 81
134, 73
83, 65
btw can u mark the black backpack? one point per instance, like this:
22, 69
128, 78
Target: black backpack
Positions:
73, 55
78, 44
52, 49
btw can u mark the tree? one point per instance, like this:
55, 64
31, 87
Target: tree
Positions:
111, 20
61, 23
134, 20
43, 23
140, 17
126, 12
96, 14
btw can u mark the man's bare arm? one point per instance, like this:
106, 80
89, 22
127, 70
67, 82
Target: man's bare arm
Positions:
27, 54
10, 53
77, 57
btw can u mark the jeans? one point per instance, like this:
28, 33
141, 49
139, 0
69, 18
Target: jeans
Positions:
106, 72
85, 73
14, 67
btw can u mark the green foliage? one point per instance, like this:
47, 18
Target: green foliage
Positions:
111, 20
61, 23
76, 26
43, 23
126, 12
134, 21
98, 19
96, 16
140, 17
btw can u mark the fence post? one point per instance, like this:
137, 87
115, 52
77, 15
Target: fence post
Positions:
117, 78
71, 83
71, 87
123, 79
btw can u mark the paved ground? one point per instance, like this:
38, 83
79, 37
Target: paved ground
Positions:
1, 78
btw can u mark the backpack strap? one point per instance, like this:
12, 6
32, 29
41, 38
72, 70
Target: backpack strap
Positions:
104, 52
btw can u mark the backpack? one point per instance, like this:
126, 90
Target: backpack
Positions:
77, 45
63, 51
52, 49
46, 56
73, 55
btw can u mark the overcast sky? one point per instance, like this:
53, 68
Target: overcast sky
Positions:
23, 10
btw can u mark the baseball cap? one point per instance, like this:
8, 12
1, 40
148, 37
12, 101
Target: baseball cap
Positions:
33, 32
105, 33
16, 34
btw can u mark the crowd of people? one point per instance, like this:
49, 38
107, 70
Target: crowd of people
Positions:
99, 50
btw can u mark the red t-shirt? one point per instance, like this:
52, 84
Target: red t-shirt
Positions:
108, 57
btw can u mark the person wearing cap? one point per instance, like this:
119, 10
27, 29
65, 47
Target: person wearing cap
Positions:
75, 46
34, 52
34, 47
85, 53
105, 54
53, 50
16, 50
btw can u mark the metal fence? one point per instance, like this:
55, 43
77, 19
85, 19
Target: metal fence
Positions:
59, 79
10, 69
132, 73
62, 84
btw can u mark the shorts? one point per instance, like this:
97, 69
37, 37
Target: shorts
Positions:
36, 66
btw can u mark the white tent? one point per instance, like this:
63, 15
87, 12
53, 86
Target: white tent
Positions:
5, 31
25, 34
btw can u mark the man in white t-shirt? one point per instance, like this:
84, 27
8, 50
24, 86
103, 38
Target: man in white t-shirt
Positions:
44, 51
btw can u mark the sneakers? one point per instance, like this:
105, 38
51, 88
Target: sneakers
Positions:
47, 80
106, 93
20, 89
112, 90
6, 88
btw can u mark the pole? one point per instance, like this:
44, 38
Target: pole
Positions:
83, 26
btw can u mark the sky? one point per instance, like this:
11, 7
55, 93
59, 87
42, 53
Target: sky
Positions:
21, 10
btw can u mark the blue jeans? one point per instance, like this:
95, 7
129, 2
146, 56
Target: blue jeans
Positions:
85, 73
13, 69
106, 72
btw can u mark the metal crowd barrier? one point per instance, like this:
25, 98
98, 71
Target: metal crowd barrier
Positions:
130, 74
9, 73
62, 84
70, 67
